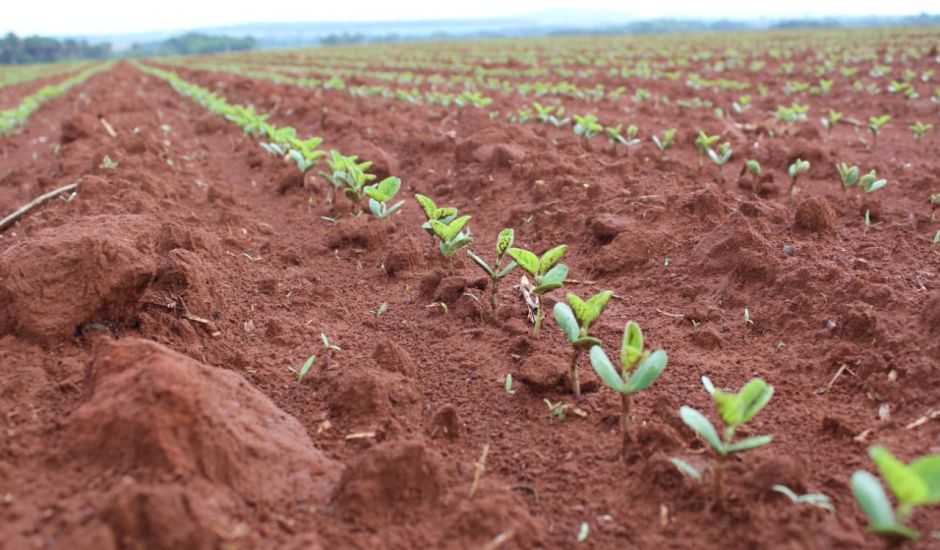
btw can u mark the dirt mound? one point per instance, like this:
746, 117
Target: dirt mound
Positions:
89, 271
392, 482
153, 412
736, 249
184, 276
815, 215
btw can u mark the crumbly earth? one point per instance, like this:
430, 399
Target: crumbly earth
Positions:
147, 326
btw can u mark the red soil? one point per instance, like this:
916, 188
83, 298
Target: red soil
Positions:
147, 328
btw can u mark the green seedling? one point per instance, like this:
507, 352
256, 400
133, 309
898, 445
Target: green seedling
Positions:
575, 321
687, 469
915, 484
869, 183
108, 164
876, 124
667, 142
560, 409
381, 310
848, 174
830, 122
919, 129
305, 153
936, 238
818, 500
753, 167
348, 174
304, 369
548, 273
742, 105
586, 127
452, 237
722, 156
638, 370
798, 168
704, 143
614, 133
550, 115
507, 385
735, 409
381, 194
496, 272
329, 345
432, 212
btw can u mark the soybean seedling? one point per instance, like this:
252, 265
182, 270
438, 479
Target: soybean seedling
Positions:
638, 370
753, 167
381, 194
548, 273
305, 153
452, 237
722, 156
798, 168
818, 500
869, 183
341, 174
667, 142
875, 125
735, 409
432, 213
586, 127
614, 133
575, 322
830, 122
919, 129
914, 484
495, 272
848, 174
704, 143
304, 369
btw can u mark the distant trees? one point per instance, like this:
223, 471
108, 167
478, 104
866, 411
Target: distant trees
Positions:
194, 43
40, 49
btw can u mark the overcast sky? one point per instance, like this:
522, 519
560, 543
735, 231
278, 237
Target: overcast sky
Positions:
84, 17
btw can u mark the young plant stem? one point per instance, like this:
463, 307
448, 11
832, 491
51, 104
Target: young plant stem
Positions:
538, 319
719, 480
625, 401
494, 299
575, 379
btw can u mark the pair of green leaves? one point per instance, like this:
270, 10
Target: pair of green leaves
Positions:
452, 236
575, 319
549, 274
914, 484
503, 242
587, 126
432, 212
380, 194
734, 409
639, 368
667, 141
704, 142
798, 168
722, 156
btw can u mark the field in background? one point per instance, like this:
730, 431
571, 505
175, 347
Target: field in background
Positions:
153, 313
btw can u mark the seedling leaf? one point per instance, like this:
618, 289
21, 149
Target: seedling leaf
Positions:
605, 369
701, 426
526, 260
649, 370
566, 320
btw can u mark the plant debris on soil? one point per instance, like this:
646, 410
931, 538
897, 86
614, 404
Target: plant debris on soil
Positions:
149, 322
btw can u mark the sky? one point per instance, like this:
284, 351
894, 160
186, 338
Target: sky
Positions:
95, 17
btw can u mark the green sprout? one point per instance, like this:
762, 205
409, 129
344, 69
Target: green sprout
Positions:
433, 213
550, 115
667, 142
639, 369
753, 167
703, 143
848, 174
380, 194
869, 183
798, 168
549, 274
305, 153
830, 122
722, 156
586, 127
614, 133
875, 125
452, 237
575, 322
735, 409
818, 500
507, 384
560, 409
304, 369
496, 273
347, 172
914, 484
919, 129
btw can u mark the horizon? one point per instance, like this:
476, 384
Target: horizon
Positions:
85, 20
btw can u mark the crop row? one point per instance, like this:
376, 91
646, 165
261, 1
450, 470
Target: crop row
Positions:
17, 116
